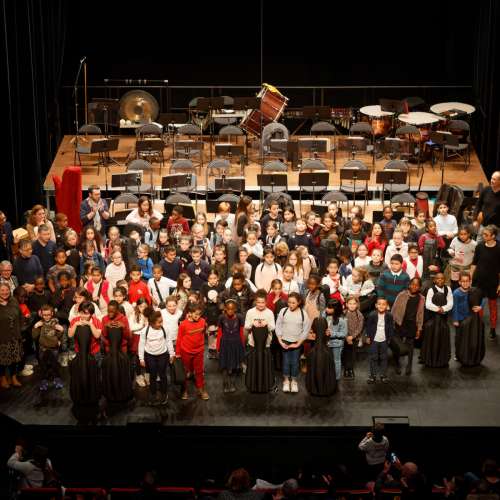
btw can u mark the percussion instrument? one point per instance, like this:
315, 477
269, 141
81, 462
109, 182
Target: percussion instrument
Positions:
425, 122
422, 203
272, 105
380, 121
139, 106
452, 109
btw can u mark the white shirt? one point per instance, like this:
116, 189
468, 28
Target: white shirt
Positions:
115, 273
348, 287
446, 224
392, 250
157, 342
290, 286
380, 334
164, 285
362, 261
171, 323
462, 253
266, 315
134, 217
256, 249
433, 307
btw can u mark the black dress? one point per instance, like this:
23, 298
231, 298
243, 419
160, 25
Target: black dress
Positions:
436, 348
84, 387
116, 384
469, 345
487, 260
259, 375
320, 378
231, 353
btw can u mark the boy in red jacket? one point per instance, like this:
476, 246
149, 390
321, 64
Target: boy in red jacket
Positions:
190, 347
137, 287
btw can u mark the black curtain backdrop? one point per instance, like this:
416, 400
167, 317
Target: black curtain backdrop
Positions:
34, 33
487, 86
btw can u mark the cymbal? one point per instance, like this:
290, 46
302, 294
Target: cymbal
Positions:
139, 106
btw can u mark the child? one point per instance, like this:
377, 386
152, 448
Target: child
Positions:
182, 290
379, 331
87, 272
287, 227
397, 245
219, 262
393, 280
289, 284
408, 314
216, 237
190, 348
446, 223
171, 264
84, 384
230, 344
413, 265
115, 336
436, 343
314, 302
332, 279
60, 229
313, 227
62, 300
60, 265
272, 234
419, 221
152, 233
336, 332
253, 247
410, 235
89, 253
113, 243
224, 214
461, 249
39, 296
377, 238
281, 252
137, 322
99, 289
355, 235
345, 257
359, 285
184, 251
171, 317
82, 295
159, 287
301, 237
276, 299
155, 352
89, 235
115, 270
231, 247
431, 234
177, 225
468, 323
120, 295
243, 258
48, 332
137, 288
377, 266
362, 258
388, 223
355, 324
161, 245
259, 325
144, 262
267, 271
485, 272
292, 328
210, 292
198, 269
272, 217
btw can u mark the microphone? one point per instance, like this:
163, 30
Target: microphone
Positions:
83, 59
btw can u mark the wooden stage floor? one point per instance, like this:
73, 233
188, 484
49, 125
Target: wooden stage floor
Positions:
454, 169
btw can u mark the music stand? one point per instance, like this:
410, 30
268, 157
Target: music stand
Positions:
246, 103
209, 104
131, 178
354, 175
176, 182
279, 181
444, 139
227, 149
213, 206
229, 184
104, 111
189, 211
312, 179
317, 112
391, 177
103, 147
353, 144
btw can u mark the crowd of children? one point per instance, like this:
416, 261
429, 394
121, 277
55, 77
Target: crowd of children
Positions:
284, 295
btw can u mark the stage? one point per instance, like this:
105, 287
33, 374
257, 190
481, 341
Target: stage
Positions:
454, 169
454, 397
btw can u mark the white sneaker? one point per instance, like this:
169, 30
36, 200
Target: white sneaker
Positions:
27, 372
286, 385
139, 380
294, 387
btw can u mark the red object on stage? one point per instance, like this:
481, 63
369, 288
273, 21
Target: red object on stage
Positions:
422, 203
69, 195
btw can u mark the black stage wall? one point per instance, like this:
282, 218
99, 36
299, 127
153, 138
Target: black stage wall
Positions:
217, 43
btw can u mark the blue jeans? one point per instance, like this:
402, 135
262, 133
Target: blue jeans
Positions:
337, 357
291, 362
378, 358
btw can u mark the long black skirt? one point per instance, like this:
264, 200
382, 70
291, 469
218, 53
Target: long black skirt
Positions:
436, 350
320, 377
469, 341
259, 376
116, 385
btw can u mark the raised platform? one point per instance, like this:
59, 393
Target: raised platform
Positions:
454, 397
454, 170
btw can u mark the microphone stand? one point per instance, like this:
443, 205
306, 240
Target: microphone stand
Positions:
75, 95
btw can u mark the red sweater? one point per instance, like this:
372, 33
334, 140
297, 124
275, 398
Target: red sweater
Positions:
173, 225
95, 345
270, 304
136, 290
372, 244
191, 337
126, 335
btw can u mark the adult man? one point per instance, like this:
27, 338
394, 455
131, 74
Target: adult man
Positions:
94, 210
487, 210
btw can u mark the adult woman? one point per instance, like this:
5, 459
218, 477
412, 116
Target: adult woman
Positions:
143, 213
37, 217
11, 351
243, 211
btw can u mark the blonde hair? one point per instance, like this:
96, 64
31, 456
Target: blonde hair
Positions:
281, 248
299, 265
